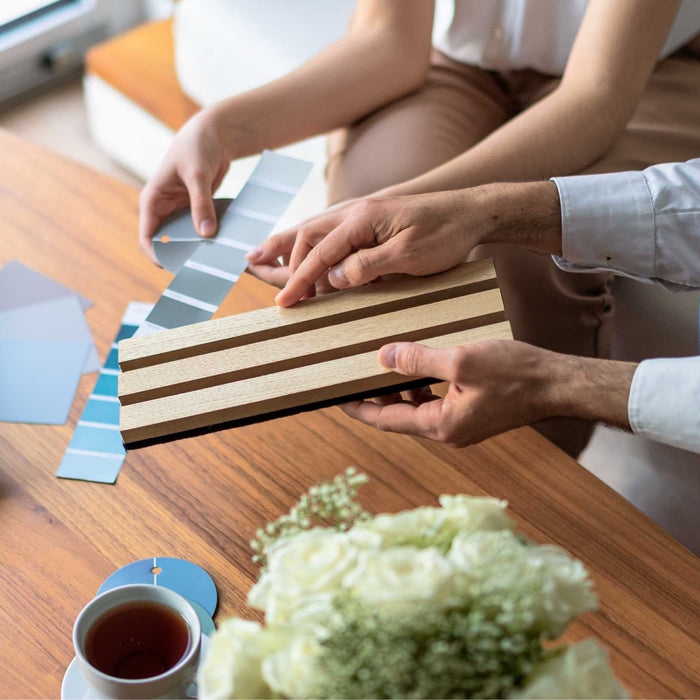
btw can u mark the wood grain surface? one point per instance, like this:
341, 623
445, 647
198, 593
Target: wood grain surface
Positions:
309, 385
202, 499
140, 64
297, 370
287, 352
275, 322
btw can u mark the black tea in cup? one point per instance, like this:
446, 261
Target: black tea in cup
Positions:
137, 640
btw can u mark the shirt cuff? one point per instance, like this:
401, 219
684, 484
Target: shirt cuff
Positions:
608, 222
664, 401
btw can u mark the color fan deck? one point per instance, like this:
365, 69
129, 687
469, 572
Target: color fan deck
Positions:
271, 362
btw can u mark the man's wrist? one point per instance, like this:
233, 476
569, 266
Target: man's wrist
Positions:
589, 388
525, 214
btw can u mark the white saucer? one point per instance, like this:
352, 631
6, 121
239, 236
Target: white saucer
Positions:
74, 686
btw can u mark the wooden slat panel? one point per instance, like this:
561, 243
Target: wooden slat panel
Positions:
318, 345
271, 393
223, 333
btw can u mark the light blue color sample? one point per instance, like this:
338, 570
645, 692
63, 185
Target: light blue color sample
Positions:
94, 453
106, 385
59, 319
97, 411
179, 575
38, 379
93, 467
92, 439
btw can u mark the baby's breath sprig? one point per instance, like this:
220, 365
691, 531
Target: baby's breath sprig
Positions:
329, 504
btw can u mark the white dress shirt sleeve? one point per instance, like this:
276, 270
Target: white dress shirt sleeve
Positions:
644, 225
664, 401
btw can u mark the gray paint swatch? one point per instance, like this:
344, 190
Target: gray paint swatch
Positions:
22, 286
199, 287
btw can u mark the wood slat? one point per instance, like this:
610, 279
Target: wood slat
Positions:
256, 326
302, 387
321, 344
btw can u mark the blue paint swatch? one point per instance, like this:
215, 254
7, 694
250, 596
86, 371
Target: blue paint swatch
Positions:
179, 575
96, 452
98, 411
39, 378
58, 319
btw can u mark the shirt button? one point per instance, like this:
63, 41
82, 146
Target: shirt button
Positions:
497, 33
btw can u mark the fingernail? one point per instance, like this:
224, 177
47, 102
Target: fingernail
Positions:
254, 254
387, 356
337, 277
208, 228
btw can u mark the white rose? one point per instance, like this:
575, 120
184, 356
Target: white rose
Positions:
474, 514
292, 671
582, 671
401, 527
556, 585
232, 668
259, 594
428, 525
302, 571
397, 579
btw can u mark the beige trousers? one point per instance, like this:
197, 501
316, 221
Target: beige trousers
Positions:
458, 106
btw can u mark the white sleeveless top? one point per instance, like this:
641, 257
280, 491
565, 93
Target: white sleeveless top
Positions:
512, 34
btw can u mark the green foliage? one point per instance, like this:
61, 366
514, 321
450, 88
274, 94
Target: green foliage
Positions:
328, 504
460, 652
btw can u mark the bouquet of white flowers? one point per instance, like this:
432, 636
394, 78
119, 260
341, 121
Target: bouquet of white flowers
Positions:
444, 602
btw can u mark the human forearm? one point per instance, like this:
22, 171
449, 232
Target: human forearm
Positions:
615, 51
379, 60
526, 214
582, 387
562, 134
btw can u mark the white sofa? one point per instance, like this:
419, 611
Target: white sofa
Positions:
224, 47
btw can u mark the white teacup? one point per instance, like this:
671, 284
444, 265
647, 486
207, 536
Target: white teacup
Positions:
174, 683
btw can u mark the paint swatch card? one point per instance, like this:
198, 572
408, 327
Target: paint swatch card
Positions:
205, 278
96, 452
58, 319
39, 378
22, 286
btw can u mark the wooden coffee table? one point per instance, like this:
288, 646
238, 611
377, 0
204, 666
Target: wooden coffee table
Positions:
202, 499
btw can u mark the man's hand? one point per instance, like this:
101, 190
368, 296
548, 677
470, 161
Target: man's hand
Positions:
357, 242
191, 172
495, 386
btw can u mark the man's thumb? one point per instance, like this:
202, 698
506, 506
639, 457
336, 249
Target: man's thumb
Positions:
415, 360
362, 267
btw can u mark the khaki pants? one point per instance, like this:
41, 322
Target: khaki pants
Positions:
457, 107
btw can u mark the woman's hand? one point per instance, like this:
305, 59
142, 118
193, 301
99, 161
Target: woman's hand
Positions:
191, 172
357, 242
495, 385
